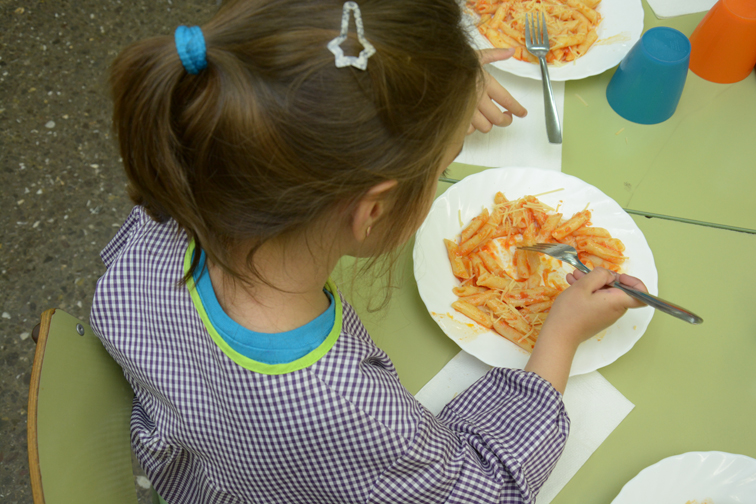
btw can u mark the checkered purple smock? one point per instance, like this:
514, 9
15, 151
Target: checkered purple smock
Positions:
342, 430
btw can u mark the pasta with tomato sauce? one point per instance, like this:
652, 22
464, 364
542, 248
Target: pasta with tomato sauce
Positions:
571, 25
509, 290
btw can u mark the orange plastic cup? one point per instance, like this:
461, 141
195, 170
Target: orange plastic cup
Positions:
723, 45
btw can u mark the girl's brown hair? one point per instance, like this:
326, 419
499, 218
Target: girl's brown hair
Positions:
271, 136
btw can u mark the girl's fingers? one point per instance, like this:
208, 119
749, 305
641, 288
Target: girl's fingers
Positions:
602, 279
495, 97
493, 114
633, 282
480, 122
575, 276
500, 95
487, 56
597, 279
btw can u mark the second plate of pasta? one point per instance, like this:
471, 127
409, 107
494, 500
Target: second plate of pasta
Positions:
462, 202
620, 28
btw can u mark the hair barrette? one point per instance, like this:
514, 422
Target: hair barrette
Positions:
190, 45
334, 45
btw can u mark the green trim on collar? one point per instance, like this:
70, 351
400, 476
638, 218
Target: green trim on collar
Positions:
253, 365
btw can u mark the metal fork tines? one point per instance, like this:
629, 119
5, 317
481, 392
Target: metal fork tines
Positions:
562, 252
537, 44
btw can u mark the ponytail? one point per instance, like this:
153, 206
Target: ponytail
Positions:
143, 80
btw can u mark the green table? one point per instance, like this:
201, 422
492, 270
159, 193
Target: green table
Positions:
694, 387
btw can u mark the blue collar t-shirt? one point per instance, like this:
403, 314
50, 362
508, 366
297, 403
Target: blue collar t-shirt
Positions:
269, 353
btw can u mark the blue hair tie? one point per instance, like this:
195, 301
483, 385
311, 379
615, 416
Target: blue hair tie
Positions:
190, 44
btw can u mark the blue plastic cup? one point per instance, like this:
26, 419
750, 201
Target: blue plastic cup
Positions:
649, 81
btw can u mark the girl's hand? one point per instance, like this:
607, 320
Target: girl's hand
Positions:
591, 305
488, 113
587, 307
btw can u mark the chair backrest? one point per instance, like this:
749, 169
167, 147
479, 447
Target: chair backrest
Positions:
78, 422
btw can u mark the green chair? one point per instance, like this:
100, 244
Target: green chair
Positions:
78, 422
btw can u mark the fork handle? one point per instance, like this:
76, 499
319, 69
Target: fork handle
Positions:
660, 304
651, 300
553, 129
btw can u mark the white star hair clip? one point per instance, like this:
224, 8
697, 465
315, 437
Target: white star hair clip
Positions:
334, 45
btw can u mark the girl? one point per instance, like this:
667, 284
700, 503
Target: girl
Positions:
260, 150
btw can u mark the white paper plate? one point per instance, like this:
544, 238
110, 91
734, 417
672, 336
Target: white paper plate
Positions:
621, 27
465, 200
723, 478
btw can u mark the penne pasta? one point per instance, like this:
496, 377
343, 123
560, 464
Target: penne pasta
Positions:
474, 313
605, 253
468, 290
491, 263
571, 25
480, 298
544, 235
578, 220
516, 307
513, 335
541, 307
495, 282
458, 266
478, 266
510, 315
521, 264
479, 238
591, 231
474, 226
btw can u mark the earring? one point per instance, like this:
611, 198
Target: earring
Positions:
367, 231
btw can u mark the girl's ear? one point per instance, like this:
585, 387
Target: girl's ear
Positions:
370, 208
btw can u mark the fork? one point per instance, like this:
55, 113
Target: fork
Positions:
538, 46
568, 254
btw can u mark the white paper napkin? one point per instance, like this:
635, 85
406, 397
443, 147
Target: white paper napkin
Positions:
671, 8
458, 374
523, 143
595, 408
